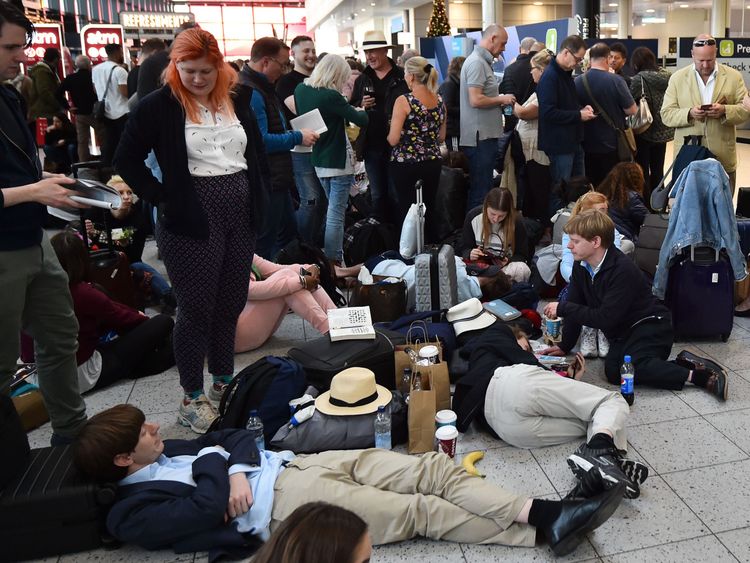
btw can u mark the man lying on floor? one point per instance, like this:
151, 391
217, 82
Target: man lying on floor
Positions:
530, 406
219, 493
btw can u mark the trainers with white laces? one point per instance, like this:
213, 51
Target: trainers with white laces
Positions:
610, 463
588, 342
215, 393
198, 414
602, 343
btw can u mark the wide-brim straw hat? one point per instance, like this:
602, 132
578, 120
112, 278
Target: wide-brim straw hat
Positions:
375, 40
353, 391
469, 315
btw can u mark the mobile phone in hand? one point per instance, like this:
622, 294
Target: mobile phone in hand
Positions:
706, 107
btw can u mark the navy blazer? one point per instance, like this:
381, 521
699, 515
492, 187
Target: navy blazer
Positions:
158, 123
163, 514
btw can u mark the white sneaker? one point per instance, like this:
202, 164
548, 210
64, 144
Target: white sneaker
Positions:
215, 393
602, 343
198, 414
588, 342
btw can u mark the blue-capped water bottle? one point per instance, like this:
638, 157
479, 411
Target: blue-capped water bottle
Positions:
383, 429
627, 375
255, 426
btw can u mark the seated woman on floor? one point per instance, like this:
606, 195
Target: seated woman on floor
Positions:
623, 187
130, 226
114, 341
59, 145
493, 233
274, 289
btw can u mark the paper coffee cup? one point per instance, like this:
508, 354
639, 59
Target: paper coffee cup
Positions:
552, 326
445, 418
430, 353
446, 437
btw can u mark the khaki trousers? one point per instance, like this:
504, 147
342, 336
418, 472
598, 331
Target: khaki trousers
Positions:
401, 496
530, 407
36, 298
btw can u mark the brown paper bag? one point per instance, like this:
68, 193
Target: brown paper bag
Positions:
421, 417
439, 383
401, 359
742, 290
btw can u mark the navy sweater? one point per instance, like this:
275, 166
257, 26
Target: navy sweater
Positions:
560, 125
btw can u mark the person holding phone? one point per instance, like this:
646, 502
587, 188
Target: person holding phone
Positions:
705, 99
529, 406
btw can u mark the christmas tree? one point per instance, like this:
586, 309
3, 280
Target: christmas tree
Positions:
438, 20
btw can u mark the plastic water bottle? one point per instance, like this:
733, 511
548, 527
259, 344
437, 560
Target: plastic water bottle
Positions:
255, 425
383, 429
627, 374
405, 382
418, 382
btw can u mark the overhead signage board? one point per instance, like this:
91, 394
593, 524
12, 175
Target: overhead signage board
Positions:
95, 37
734, 53
154, 20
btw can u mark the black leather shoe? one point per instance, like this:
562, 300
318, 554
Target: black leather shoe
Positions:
579, 517
691, 361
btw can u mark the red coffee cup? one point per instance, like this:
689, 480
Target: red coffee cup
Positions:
446, 438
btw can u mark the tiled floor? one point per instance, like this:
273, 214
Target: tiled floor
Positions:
695, 507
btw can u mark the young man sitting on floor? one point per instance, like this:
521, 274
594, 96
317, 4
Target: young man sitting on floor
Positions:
530, 406
607, 291
218, 492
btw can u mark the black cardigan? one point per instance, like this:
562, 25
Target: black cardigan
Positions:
469, 238
158, 123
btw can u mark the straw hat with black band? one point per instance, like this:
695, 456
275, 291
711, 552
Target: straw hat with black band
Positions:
469, 315
375, 40
353, 391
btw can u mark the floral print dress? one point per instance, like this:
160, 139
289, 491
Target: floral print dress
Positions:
420, 139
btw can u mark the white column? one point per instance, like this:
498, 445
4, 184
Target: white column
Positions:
719, 17
624, 19
488, 13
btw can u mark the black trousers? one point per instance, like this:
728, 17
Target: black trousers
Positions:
404, 176
650, 157
113, 129
145, 350
649, 345
598, 166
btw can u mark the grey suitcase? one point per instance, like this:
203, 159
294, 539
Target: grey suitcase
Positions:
435, 278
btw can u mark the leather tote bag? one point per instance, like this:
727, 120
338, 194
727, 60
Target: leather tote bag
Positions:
642, 119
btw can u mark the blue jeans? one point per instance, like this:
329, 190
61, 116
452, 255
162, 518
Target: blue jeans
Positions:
160, 285
481, 164
280, 227
564, 167
382, 189
312, 201
337, 192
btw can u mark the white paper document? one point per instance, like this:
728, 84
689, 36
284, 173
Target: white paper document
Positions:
312, 120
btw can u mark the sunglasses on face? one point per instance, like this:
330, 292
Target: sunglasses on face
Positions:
704, 42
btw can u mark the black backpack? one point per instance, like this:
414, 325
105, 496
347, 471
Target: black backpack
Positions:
367, 238
266, 386
301, 252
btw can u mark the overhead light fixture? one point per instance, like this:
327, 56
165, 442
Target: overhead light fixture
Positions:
363, 10
538, 3
650, 11
457, 2
372, 3
686, 6
613, 4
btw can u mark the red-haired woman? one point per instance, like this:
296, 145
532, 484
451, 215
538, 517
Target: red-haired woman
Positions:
210, 153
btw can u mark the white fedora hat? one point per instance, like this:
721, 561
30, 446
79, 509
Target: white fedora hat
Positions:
469, 315
353, 391
375, 39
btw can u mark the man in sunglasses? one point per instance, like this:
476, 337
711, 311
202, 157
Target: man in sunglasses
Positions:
561, 116
706, 99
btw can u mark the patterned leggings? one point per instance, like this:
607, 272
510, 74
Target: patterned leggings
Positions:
210, 278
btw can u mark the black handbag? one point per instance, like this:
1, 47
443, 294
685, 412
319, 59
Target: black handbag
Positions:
387, 301
100, 107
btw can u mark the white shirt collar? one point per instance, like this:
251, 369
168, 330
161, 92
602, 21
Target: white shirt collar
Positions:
593, 271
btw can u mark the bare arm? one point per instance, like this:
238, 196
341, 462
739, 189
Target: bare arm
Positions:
528, 113
48, 191
289, 103
443, 128
123, 88
400, 111
478, 100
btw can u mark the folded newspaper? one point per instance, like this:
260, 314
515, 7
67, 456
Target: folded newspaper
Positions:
91, 193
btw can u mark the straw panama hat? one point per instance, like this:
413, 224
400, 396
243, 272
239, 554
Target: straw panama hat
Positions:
353, 391
469, 315
375, 39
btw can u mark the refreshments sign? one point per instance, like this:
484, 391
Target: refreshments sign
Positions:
94, 37
45, 35
154, 20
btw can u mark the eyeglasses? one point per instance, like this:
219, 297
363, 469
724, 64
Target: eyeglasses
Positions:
704, 42
576, 57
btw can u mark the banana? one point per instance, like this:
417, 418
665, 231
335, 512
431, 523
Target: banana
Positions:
469, 460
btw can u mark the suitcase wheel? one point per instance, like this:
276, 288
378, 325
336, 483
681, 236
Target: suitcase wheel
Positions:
724, 337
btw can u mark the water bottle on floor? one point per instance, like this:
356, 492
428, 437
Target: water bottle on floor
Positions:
383, 429
255, 425
627, 374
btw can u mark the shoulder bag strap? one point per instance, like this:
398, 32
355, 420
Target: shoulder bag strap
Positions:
603, 113
109, 79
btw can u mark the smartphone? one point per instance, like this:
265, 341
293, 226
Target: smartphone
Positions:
706, 107
561, 366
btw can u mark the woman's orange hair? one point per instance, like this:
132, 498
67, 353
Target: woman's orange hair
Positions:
194, 44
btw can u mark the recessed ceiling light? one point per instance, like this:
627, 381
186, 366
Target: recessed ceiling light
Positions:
458, 1
363, 10
650, 11
613, 4
538, 3
686, 6
372, 3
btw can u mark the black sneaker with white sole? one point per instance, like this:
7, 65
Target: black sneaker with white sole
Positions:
609, 463
634, 470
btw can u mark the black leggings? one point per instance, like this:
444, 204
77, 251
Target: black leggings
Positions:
404, 176
144, 350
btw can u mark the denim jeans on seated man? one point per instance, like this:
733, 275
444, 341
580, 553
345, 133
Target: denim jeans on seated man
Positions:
563, 167
382, 190
337, 192
159, 284
312, 200
280, 226
481, 164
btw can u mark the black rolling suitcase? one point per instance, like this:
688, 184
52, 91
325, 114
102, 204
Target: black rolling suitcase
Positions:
48, 509
700, 293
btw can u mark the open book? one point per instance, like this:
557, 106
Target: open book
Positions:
350, 323
311, 120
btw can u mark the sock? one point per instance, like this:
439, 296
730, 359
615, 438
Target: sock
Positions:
601, 441
700, 377
193, 395
223, 379
544, 512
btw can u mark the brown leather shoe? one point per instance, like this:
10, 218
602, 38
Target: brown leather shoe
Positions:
718, 384
691, 361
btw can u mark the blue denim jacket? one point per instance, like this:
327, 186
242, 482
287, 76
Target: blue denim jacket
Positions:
703, 214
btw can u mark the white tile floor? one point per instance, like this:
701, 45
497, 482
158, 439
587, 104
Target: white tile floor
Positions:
695, 507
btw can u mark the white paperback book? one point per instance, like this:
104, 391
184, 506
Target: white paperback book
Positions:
350, 323
312, 120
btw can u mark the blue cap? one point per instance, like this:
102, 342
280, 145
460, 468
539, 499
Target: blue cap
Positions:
627, 359
381, 408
